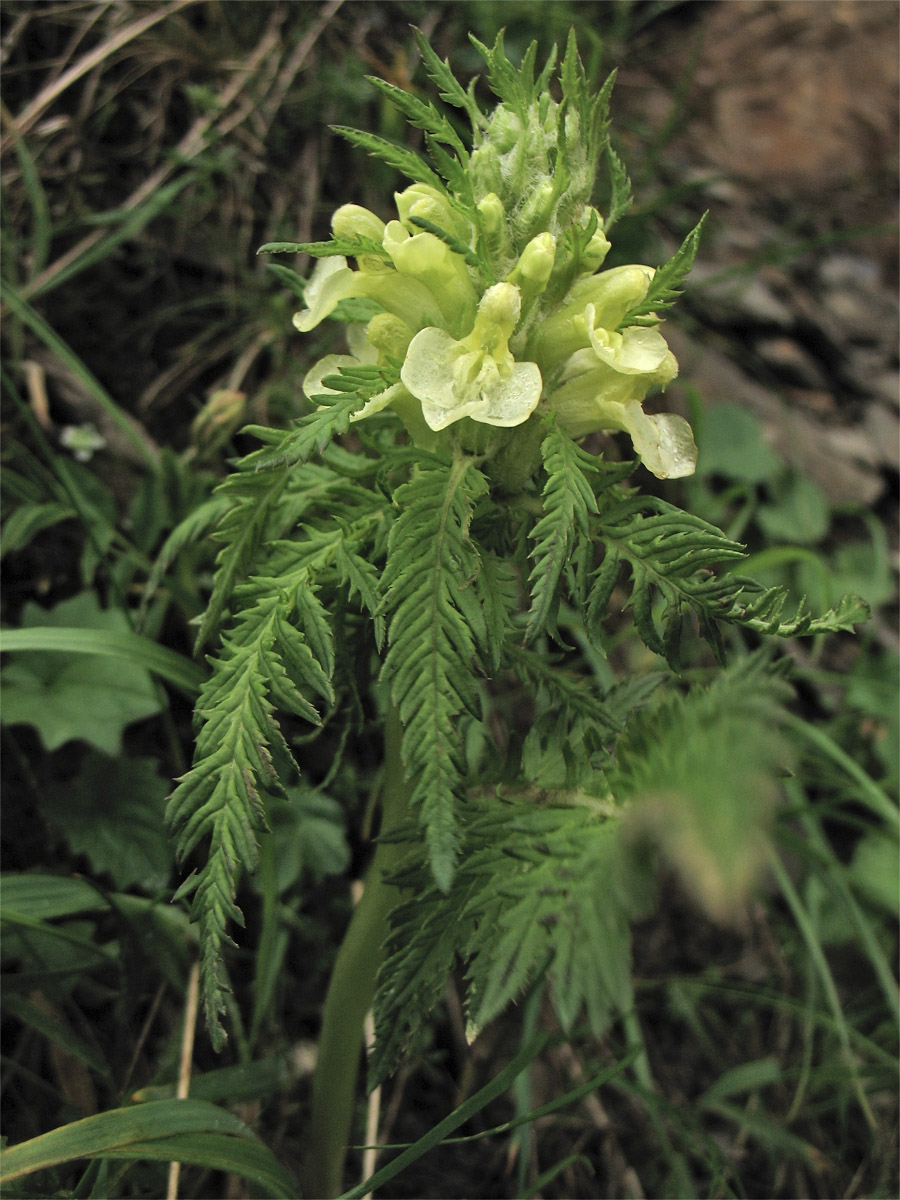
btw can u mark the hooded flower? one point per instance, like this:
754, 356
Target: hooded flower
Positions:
603, 388
492, 303
475, 376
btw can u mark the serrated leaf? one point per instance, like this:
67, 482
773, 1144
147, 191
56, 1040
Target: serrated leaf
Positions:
311, 435
449, 87
666, 284
568, 500
405, 161
430, 643
334, 247
422, 114
620, 198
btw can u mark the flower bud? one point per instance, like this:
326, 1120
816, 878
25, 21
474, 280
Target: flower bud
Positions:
493, 214
596, 250
493, 227
505, 129
535, 213
354, 221
389, 335
484, 170
536, 261
500, 307
422, 200
535, 265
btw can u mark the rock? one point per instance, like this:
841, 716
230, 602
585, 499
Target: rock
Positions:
799, 438
740, 301
791, 362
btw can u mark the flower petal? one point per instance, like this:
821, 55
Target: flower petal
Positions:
331, 281
634, 352
453, 382
329, 365
664, 441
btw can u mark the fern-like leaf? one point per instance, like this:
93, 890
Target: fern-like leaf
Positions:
568, 501
420, 952
431, 646
540, 887
407, 162
242, 529
667, 283
309, 436
423, 115
449, 88
553, 893
344, 247
266, 665
620, 197
671, 554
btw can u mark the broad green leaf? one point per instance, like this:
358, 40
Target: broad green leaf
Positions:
65, 696
731, 444
42, 897
113, 813
797, 512
219, 1152
81, 673
309, 835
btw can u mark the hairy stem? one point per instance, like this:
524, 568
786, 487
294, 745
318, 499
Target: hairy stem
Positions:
351, 991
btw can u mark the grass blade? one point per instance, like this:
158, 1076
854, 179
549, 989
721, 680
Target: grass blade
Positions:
171, 1130
111, 643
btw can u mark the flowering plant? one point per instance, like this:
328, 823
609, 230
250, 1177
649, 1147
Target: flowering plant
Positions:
426, 591
489, 284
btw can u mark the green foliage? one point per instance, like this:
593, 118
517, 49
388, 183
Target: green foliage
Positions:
540, 887
431, 648
668, 280
407, 162
134, 851
267, 661
699, 773
550, 878
88, 697
568, 501
188, 1130
670, 553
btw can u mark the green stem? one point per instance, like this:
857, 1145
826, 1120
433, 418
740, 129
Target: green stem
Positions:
352, 989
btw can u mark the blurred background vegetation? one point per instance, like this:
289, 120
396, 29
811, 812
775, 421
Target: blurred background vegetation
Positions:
148, 150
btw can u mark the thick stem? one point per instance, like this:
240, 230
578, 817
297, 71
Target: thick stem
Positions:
351, 991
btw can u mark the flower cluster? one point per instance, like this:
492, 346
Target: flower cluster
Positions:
490, 297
